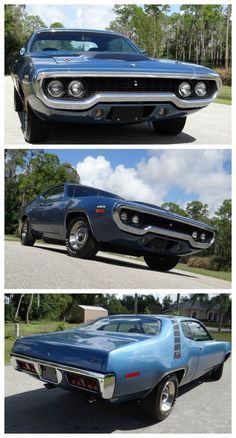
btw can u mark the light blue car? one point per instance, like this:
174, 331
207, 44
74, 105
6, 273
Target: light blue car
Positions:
125, 357
98, 77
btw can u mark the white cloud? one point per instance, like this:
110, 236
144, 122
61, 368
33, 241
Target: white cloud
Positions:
196, 174
74, 16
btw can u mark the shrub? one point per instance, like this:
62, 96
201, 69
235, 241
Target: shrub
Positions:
225, 74
60, 327
209, 262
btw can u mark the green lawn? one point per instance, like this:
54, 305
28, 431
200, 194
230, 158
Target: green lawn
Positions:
223, 275
29, 329
222, 336
225, 95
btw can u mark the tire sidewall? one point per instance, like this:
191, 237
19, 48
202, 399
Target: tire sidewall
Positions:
89, 245
160, 413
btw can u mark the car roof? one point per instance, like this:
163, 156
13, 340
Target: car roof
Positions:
159, 316
63, 29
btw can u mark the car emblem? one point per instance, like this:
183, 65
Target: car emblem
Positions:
132, 65
135, 84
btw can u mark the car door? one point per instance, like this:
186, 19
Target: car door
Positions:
209, 352
50, 211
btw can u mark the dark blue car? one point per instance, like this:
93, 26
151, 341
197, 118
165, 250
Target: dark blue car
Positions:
85, 76
89, 219
125, 357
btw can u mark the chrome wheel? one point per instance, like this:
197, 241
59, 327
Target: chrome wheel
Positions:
78, 235
167, 396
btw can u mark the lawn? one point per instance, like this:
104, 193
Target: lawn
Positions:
223, 275
221, 336
225, 95
29, 329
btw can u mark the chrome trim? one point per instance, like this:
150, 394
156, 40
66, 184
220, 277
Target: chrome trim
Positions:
106, 381
158, 230
103, 97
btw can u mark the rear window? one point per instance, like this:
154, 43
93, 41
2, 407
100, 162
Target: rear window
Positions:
143, 327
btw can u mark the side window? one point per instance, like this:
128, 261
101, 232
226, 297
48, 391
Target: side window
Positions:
119, 45
109, 328
195, 331
54, 194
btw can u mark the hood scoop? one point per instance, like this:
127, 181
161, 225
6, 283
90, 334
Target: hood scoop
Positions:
130, 57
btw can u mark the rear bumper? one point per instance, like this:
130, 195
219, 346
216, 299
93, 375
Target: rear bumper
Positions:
106, 382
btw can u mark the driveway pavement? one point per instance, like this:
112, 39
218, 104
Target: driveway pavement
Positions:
202, 407
49, 267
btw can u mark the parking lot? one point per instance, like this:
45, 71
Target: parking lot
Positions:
202, 407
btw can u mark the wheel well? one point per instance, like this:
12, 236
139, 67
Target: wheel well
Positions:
227, 356
74, 214
179, 374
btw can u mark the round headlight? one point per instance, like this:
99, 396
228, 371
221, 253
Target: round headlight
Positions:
195, 235
55, 88
184, 89
200, 89
76, 88
135, 219
124, 217
203, 236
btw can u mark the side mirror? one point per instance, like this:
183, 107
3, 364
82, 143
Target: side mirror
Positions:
143, 51
22, 51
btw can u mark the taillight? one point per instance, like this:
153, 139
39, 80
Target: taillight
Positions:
27, 366
83, 382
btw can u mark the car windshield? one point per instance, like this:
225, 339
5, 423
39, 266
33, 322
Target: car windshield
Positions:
142, 326
81, 42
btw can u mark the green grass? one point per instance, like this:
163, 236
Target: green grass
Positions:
225, 95
12, 237
221, 336
29, 329
223, 275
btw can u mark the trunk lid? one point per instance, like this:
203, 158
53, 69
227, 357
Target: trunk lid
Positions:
87, 350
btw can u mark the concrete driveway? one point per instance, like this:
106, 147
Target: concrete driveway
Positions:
46, 266
202, 407
211, 125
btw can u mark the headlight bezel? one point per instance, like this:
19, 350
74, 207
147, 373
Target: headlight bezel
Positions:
62, 88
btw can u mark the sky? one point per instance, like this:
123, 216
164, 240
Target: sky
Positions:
156, 176
87, 16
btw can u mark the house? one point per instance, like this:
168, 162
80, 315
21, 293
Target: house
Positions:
202, 311
82, 313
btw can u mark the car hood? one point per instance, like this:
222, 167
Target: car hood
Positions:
132, 63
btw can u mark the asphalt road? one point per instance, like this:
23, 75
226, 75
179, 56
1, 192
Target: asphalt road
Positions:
211, 125
202, 407
49, 267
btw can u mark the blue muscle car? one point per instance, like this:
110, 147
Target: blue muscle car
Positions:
89, 219
125, 357
86, 76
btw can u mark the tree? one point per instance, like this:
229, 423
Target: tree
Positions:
197, 210
223, 244
174, 208
167, 302
57, 24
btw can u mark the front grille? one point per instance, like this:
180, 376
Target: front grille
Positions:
167, 224
94, 85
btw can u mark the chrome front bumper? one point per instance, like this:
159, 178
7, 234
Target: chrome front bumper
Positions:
158, 230
106, 381
121, 97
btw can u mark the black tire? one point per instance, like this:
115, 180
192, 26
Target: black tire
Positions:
34, 128
26, 236
18, 104
170, 127
161, 263
79, 239
160, 401
216, 374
